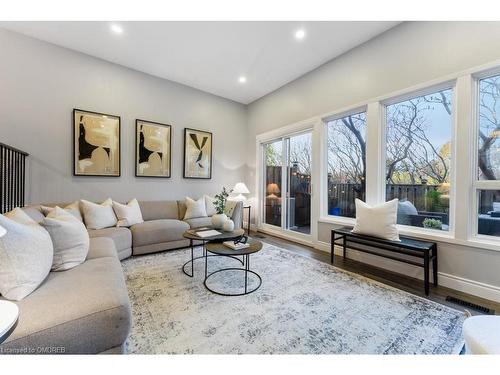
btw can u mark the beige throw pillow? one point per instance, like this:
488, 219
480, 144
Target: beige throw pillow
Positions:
128, 214
98, 216
195, 209
73, 209
209, 205
69, 237
377, 221
25, 255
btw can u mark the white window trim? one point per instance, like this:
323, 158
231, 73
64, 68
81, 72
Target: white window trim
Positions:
463, 183
324, 164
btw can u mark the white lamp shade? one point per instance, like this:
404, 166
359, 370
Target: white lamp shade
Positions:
3, 231
240, 188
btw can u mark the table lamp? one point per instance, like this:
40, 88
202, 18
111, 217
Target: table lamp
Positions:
3, 231
240, 188
272, 190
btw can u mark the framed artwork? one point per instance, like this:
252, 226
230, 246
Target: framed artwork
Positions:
197, 154
96, 144
153, 145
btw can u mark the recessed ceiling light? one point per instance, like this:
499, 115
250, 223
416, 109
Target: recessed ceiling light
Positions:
300, 34
242, 79
117, 29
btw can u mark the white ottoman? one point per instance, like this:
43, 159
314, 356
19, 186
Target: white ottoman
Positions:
482, 334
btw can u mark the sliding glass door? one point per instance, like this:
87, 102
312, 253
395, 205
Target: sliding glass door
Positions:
287, 183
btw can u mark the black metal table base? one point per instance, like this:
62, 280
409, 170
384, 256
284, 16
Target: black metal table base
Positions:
247, 270
204, 256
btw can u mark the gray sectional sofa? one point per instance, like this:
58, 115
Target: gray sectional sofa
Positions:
86, 309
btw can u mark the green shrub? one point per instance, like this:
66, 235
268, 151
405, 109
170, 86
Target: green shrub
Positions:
433, 223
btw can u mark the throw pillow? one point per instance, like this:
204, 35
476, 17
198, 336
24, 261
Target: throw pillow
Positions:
128, 214
377, 221
195, 209
230, 206
73, 209
69, 237
209, 205
25, 255
98, 216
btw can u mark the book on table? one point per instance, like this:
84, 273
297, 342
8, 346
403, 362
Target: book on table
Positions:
207, 233
236, 246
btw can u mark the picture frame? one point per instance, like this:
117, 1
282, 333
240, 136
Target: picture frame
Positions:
197, 154
96, 144
153, 149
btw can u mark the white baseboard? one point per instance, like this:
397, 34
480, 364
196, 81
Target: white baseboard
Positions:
458, 283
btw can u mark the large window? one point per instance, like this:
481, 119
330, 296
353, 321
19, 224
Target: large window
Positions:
488, 157
346, 147
418, 159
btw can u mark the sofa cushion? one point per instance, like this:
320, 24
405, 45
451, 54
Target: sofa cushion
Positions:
158, 231
195, 209
122, 237
82, 310
98, 216
128, 214
155, 210
199, 222
101, 247
73, 209
69, 238
26, 254
35, 212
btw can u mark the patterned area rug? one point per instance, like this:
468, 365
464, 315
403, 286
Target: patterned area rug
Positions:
303, 306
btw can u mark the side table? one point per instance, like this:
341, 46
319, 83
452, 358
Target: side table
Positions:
9, 314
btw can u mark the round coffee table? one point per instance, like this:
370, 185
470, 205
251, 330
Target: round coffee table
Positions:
9, 314
220, 249
223, 236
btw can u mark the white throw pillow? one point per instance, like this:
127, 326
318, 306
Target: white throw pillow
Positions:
128, 214
69, 237
230, 206
25, 255
98, 216
209, 205
73, 209
195, 209
377, 221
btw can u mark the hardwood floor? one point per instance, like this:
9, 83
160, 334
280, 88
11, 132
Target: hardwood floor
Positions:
403, 282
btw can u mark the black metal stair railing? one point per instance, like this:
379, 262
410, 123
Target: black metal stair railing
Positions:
12, 177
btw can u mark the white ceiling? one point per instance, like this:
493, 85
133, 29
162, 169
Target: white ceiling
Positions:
210, 56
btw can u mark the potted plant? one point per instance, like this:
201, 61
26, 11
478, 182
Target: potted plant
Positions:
220, 200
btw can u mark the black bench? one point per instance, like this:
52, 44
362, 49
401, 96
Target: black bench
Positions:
408, 246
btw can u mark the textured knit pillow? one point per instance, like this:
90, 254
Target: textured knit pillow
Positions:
377, 221
209, 205
128, 214
98, 216
73, 209
69, 237
25, 255
195, 209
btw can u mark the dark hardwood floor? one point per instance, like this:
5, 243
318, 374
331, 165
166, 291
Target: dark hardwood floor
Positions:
403, 282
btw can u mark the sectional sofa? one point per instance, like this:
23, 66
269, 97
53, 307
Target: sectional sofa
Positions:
86, 309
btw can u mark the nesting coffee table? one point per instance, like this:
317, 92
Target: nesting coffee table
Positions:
216, 248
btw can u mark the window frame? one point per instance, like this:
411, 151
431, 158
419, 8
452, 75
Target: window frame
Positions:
324, 201
445, 85
477, 184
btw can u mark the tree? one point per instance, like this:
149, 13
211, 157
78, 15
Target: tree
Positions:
489, 128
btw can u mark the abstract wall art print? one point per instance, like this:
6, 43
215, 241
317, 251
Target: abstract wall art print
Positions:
96, 144
197, 154
152, 149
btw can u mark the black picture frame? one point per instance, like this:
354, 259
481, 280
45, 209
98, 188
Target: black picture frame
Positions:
186, 130
75, 172
137, 152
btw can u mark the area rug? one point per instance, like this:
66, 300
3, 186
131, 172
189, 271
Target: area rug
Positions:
303, 306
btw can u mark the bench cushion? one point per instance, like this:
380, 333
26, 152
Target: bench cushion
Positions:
156, 210
199, 222
158, 231
122, 238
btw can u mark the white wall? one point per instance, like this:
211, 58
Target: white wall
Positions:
410, 54
41, 83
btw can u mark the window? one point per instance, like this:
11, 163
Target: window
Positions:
488, 157
346, 148
418, 159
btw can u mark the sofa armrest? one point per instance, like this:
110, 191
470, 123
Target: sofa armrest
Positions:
237, 216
